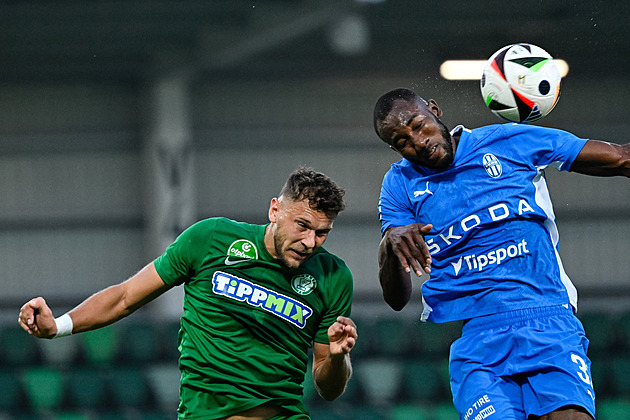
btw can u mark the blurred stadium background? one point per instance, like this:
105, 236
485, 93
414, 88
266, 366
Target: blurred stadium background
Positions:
122, 122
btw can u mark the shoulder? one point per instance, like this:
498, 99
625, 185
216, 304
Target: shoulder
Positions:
487, 130
222, 223
497, 133
208, 229
396, 168
508, 129
331, 263
401, 171
539, 137
393, 177
334, 280
514, 129
485, 133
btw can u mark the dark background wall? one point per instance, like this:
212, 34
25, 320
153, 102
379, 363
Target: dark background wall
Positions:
267, 86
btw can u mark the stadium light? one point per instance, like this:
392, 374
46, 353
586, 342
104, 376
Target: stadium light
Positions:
472, 69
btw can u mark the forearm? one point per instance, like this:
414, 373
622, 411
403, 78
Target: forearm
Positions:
116, 302
100, 309
332, 375
395, 281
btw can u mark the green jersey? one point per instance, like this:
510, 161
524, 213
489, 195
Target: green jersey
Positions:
249, 320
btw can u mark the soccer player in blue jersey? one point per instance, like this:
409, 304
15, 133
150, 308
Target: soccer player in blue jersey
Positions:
471, 208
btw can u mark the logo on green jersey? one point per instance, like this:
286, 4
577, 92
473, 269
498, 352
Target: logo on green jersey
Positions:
239, 289
304, 284
241, 250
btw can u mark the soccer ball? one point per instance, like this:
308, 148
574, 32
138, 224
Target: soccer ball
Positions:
520, 83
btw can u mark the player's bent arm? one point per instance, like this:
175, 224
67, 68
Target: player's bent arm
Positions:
402, 250
118, 301
332, 367
602, 158
395, 280
101, 309
330, 372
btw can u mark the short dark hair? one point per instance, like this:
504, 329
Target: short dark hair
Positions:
321, 192
385, 103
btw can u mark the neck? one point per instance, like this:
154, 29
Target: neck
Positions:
269, 241
455, 142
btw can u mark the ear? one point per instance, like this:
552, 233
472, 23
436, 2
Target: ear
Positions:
274, 209
434, 108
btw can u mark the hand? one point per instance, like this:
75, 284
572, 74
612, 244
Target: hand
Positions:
407, 243
37, 319
342, 336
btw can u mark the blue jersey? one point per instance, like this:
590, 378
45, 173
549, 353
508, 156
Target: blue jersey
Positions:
494, 242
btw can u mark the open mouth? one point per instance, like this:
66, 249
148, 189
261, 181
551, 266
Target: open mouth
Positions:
432, 154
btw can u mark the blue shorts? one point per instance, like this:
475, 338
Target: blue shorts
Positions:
520, 363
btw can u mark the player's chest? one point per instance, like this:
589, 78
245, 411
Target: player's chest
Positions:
261, 289
483, 189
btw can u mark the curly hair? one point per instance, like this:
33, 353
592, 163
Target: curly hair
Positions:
321, 192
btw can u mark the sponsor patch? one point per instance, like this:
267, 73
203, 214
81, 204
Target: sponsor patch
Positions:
240, 251
494, 257
287, 308
482, 407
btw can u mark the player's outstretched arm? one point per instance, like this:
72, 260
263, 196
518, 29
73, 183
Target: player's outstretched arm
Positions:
101, 309
331, 362
601, 158
402, 249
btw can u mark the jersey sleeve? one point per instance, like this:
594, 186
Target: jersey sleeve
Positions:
177, 264
394, 207
339, 296
546, 146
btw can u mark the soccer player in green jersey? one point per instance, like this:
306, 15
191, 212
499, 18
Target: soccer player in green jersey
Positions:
257, 297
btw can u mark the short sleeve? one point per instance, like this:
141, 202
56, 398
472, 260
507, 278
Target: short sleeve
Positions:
546, 146
394, 206
339, 294
178, 263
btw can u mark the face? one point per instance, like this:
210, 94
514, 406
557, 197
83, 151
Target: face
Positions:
295, 231
415, 131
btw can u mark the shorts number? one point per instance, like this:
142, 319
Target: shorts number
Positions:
583, 369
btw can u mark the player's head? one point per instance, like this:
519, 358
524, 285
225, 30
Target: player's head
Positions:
412, 127
302, 216
321, 192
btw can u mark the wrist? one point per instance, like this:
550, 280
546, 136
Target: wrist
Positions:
338, 359
64, 326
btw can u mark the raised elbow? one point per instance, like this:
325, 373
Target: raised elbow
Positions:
396, 289
396, 303
331, 394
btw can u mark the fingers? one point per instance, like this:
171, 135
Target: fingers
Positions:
26, 318
348, 345
425, 249
28, 313
407, 263
342, 335
420, 249
408, 245
348, 326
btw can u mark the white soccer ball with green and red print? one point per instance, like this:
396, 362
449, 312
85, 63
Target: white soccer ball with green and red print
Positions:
520, 83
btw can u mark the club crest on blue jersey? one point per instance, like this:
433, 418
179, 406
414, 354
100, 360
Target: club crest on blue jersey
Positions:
492, 165
233, 287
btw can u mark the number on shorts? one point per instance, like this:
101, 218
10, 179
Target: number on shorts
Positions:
583, 369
